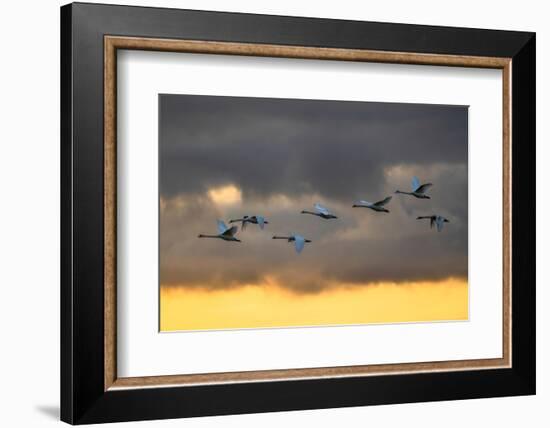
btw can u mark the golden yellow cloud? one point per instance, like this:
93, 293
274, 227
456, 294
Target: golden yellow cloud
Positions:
225, 195
269, 305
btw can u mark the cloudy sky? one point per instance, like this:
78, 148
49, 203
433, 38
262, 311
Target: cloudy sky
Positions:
224, 157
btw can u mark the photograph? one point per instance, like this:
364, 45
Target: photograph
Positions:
264, 211
306, 213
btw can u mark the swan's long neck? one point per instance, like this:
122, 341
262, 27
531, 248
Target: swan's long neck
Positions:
309, 212
208, 236
405, 193
281, 237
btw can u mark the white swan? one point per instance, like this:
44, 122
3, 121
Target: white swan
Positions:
255, 219
299, 241
320, 211
225, 233
376, 206
418, 190
435, 219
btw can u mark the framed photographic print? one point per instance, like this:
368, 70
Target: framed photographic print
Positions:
264, 213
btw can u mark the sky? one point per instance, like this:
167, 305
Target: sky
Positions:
225, 157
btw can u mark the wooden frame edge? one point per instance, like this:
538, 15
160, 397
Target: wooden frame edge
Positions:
301, 52
109, 198
507, 213
300, 374
112, 43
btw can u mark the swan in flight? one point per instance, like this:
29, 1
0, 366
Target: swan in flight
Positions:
299, 241
255, 219
224, 232
418, 190
435, 219
376, 206
320, 211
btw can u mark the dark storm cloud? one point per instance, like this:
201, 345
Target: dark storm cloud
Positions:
303, 151
265, 145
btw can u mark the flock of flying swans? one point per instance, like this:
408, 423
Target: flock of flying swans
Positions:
417, 190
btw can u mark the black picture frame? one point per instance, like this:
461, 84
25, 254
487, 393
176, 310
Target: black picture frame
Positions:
83, 398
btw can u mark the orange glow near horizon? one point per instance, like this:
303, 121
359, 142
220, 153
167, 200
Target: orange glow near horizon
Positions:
269, 305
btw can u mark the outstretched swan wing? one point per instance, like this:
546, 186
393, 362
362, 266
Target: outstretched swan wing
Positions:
423, 188
261, 221
383, 202
321, 209
415, 184
299, 242
221, 226
231, 231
